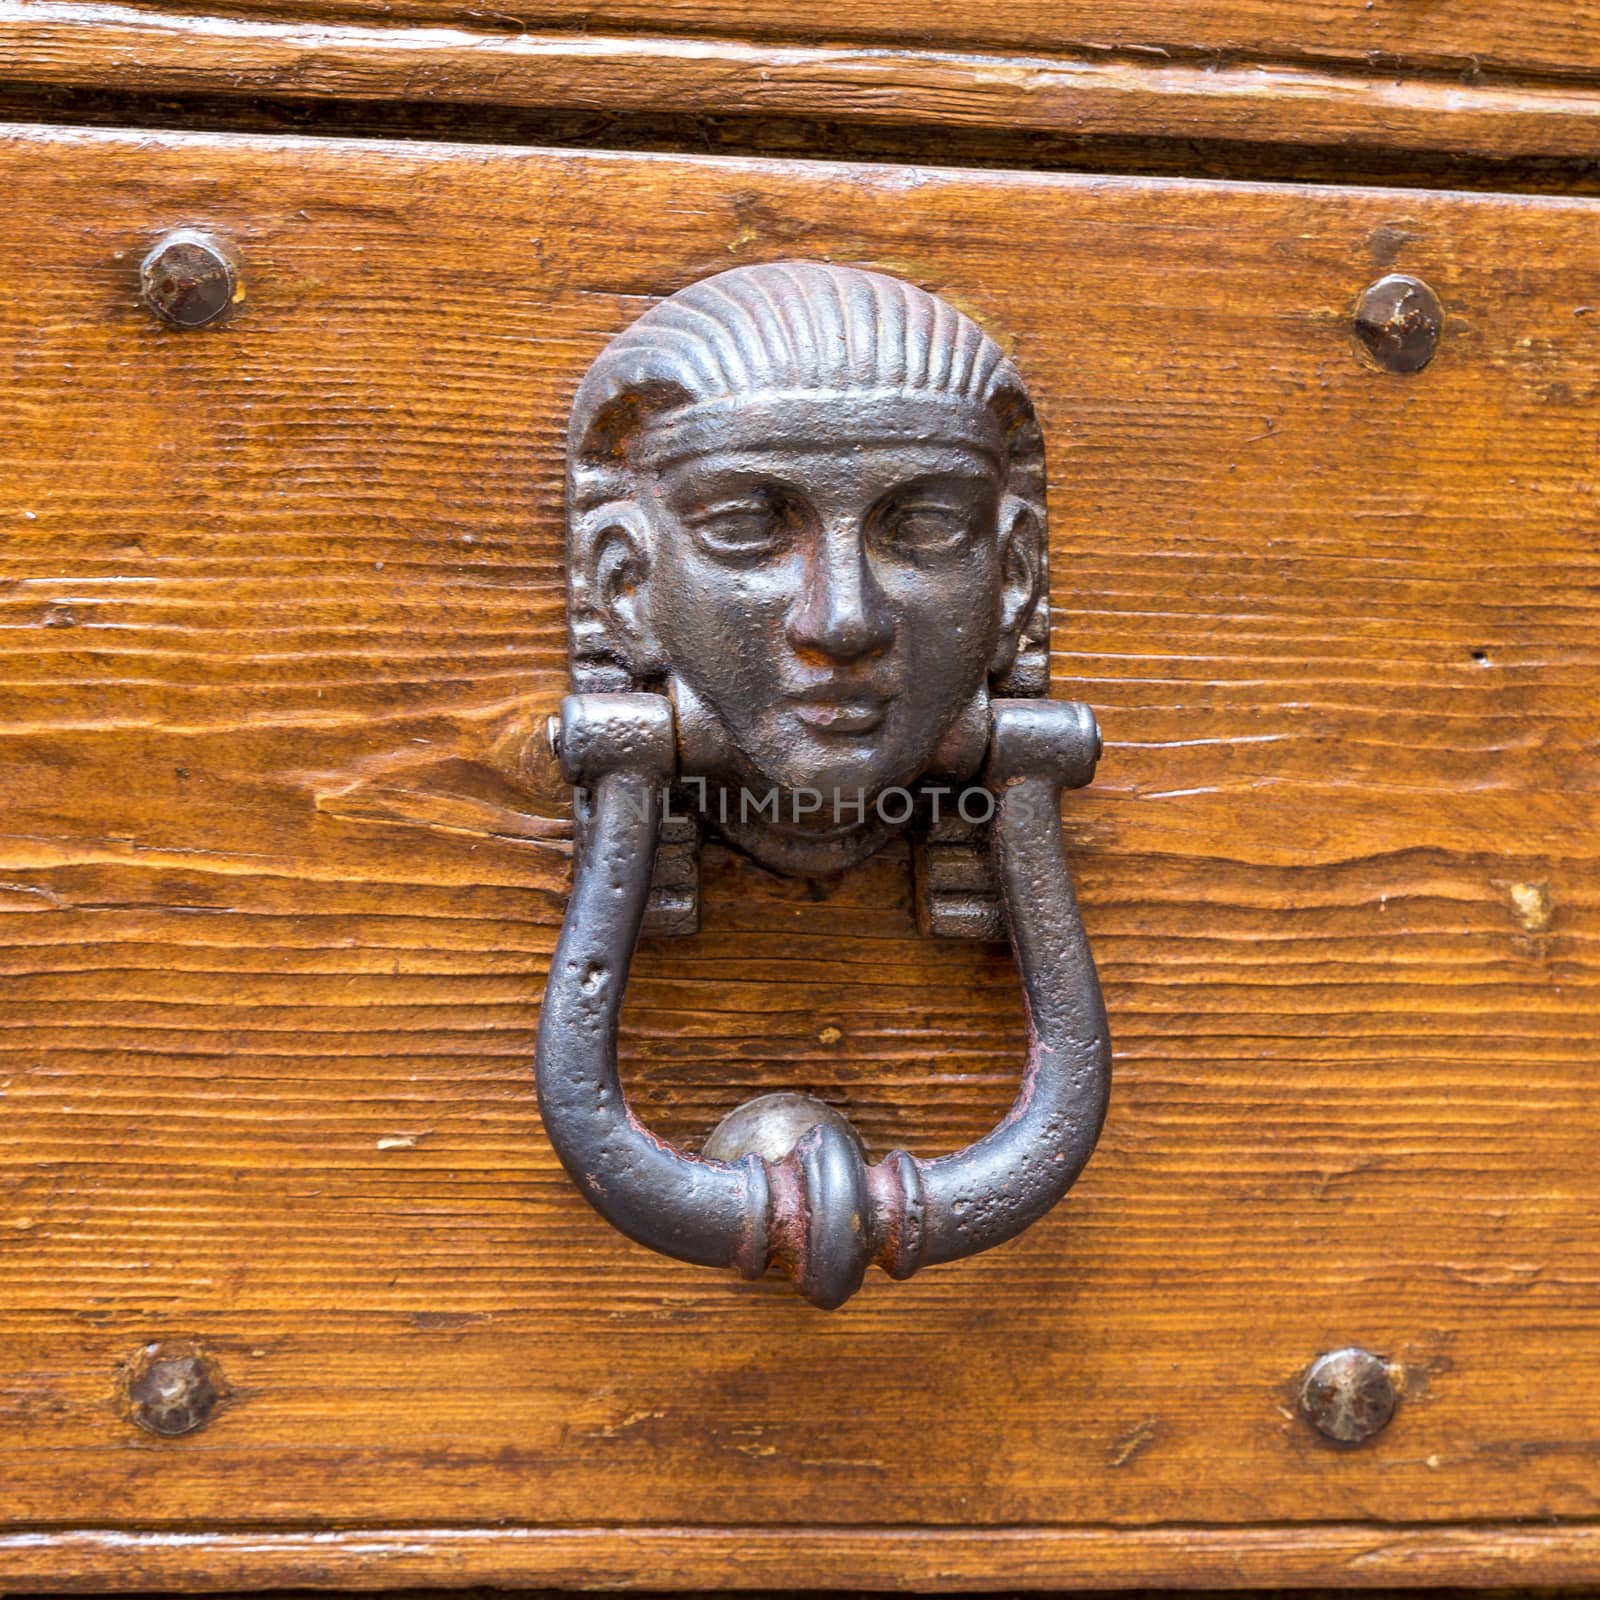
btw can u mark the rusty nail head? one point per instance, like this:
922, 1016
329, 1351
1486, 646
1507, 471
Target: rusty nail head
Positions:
1348, 1396
190, 280
172, 1390
1398, 322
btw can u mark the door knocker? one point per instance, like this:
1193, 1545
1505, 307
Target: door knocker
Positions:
808, 606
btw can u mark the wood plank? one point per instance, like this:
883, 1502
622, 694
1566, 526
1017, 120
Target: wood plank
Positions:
1360, 1557
150, 52
1466, 39
266, 1059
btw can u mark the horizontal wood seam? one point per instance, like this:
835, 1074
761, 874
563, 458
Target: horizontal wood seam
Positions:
409, 123
52, 42
10, 1533
403, 124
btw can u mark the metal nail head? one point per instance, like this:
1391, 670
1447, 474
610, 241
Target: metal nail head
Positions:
172, 1390
1348, 1396
1398, 322
190, 280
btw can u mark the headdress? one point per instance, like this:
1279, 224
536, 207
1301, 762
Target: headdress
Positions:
789, 329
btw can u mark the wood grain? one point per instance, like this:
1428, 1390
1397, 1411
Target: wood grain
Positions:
146, 52
1466, 37
1387, 1561
275, 932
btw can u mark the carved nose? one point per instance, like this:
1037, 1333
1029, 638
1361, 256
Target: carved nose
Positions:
842, 613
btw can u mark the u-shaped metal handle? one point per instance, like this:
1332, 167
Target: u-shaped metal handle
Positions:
820, 1213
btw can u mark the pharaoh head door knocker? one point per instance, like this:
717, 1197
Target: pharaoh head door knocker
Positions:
807, 562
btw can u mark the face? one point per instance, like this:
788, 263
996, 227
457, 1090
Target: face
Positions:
834, 585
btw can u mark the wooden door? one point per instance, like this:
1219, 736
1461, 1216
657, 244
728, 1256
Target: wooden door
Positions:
278, 596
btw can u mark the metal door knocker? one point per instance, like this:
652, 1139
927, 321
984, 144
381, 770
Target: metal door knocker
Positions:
807, 554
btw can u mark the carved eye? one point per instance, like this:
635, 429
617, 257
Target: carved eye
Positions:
750, 526
925, 524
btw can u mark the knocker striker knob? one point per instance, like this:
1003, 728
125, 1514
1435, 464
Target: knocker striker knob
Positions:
807, 568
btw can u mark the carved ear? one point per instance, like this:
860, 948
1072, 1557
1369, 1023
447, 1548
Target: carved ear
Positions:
611, 556
1021, 575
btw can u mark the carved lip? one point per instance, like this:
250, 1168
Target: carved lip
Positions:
861, 717
839, 710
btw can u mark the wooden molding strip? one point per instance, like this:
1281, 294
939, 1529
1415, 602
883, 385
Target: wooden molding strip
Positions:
751, 1558
137, 51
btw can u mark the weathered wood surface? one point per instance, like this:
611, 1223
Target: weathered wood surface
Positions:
44, 42
266, 1079
1466, 37
1379, 1560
